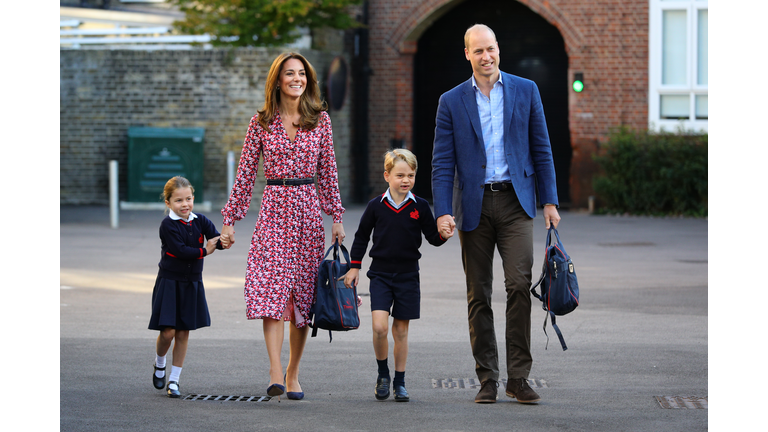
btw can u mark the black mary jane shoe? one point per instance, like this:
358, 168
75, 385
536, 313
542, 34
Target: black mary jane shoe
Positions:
159, 383
173, 393
382, 388
401, 394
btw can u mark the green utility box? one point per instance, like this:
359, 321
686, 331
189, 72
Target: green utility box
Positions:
157, 154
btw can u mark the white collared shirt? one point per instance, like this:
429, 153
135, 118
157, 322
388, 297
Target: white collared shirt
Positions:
174, 216
388, 196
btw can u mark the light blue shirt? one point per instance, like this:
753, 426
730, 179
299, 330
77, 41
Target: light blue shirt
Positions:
388, 196
491, 112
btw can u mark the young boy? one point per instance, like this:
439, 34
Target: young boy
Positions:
397, 219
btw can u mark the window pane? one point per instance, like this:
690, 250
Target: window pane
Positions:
675, 107
702, 107
673, 43
703, 33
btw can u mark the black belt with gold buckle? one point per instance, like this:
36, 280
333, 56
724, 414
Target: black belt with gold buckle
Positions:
290, 182
498, 187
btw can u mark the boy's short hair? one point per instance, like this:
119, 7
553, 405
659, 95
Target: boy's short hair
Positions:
392, 156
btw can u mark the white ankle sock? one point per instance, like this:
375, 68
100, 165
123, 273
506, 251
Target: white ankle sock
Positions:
175, 372
160, 362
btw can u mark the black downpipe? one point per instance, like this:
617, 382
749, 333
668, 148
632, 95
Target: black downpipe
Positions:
361, 70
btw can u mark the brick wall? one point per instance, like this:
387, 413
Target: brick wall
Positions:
103, 92
607, 40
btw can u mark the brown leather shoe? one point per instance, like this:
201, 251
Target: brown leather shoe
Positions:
519, 389
487, 393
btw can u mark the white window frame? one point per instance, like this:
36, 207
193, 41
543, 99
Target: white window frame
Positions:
655, 88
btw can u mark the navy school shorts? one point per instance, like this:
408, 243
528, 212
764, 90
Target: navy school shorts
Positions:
397, 293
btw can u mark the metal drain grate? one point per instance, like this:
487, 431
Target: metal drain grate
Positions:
474, 383
682, 402
222, 398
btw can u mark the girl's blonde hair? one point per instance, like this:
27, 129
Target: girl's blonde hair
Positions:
391, 157
310, 104
172, 185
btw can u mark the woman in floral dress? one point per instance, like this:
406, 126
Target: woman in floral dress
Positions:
293, 134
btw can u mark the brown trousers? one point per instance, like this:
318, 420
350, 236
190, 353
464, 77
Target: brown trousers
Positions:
504, 225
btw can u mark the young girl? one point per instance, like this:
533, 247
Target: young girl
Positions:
178, 299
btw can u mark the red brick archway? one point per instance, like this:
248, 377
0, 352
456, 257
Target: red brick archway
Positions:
605, 39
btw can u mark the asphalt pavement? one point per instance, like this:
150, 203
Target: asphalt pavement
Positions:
638, 342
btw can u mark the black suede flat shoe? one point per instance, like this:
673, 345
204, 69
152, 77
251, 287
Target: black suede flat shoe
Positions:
159, 383
173, 392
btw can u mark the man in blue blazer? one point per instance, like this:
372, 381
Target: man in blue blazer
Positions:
491, 154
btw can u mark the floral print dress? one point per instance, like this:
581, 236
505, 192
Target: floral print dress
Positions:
288, 240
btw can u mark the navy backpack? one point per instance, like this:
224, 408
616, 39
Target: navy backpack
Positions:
335, 306
559, 287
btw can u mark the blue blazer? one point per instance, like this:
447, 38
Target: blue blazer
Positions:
458, 158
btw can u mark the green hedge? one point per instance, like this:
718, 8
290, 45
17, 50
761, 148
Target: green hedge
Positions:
652, 173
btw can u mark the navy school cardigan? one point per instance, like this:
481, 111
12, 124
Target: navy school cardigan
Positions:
183, 247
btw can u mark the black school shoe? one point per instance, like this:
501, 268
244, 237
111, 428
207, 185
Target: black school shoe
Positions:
382, 388
159, 383
401, 394
173, 393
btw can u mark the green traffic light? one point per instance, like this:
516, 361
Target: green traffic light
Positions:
578, 86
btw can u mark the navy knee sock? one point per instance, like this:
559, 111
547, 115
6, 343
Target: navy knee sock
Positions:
383, 368
399, 378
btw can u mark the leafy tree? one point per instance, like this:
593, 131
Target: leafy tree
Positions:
261, 22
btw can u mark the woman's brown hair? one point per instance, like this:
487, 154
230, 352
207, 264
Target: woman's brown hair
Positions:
310, 104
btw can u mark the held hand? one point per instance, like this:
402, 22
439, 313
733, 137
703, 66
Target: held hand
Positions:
211, 245
351, 278
551, 216
445, 230
448, 223
337, 232
227, 236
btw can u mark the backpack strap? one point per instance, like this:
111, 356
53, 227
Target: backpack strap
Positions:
541, 279
543, 268
314, 333
557, 330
